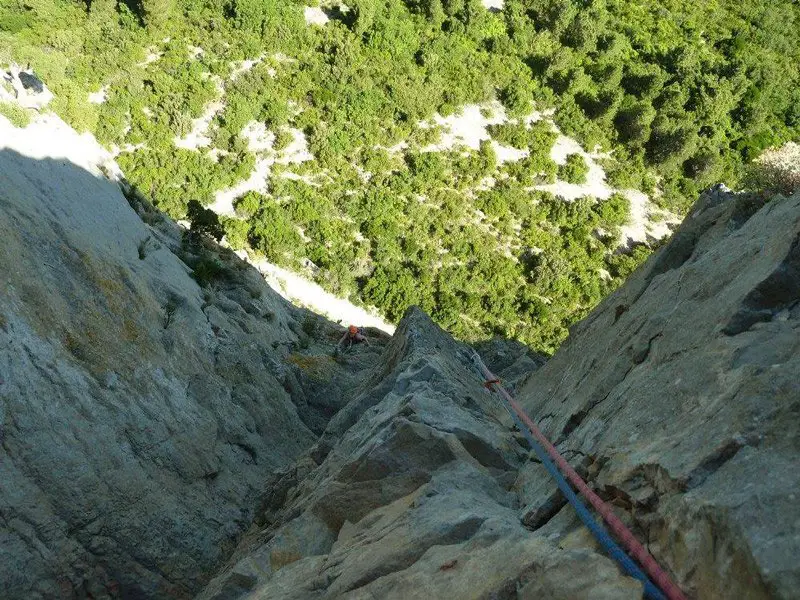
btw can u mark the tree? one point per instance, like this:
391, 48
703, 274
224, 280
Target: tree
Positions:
574, 170
614, 212
236, 231
204, 221
157, 13
393, 289
273, 234
633, 121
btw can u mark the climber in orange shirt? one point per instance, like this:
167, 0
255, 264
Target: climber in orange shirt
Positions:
353, 335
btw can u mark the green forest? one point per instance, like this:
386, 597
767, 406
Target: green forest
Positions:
678, 94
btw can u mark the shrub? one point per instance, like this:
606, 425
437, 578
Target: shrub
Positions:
236, 231
248, 204
574, 170
207, 270
614, 212
18, 116
204, 221
283, 138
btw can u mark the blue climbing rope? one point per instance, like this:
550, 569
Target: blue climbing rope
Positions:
600, 534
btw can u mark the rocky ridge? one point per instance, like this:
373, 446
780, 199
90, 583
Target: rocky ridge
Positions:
677, 398
681, 392
141, 414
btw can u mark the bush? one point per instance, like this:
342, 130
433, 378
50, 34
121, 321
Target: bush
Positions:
574, 170
236, 232
204, 221
614, 212
283, 138
206, 270
248, 204
273, 234
509, 134
18, 116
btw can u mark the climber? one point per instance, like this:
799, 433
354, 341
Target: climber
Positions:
353, 335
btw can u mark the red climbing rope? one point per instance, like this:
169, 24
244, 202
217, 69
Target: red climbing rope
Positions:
488, 384
623, 534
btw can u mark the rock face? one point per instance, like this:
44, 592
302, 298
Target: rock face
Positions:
139, 414
163, 440
677, 398
414, 496
682, 393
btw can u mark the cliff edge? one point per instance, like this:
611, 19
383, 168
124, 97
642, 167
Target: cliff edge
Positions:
677, 399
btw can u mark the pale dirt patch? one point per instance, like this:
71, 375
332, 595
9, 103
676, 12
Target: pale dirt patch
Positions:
307, 179
398, 147
237, 68
507, 153
99, 96
47, 136
315, 15
302, 292
258, 137
642, 226
117, 150
152, 56
256, 182
215, 154
297, 151
197, 137
777, 168
595, 184
468, 127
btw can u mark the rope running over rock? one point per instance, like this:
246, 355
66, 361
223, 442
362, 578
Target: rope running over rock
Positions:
664, 587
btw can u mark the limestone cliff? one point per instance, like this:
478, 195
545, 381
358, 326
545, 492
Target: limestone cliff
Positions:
677, 398
141, 415
160, 439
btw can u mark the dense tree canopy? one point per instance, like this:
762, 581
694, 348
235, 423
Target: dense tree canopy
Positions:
680, 93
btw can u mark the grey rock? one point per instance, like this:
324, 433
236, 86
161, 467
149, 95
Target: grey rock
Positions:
513, 362
682, 388
31, 82
133, 454
419, 461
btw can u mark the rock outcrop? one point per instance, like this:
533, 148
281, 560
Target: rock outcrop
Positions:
27, 89
159, 439
413, 497
681, 391
141, 415
677, 399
